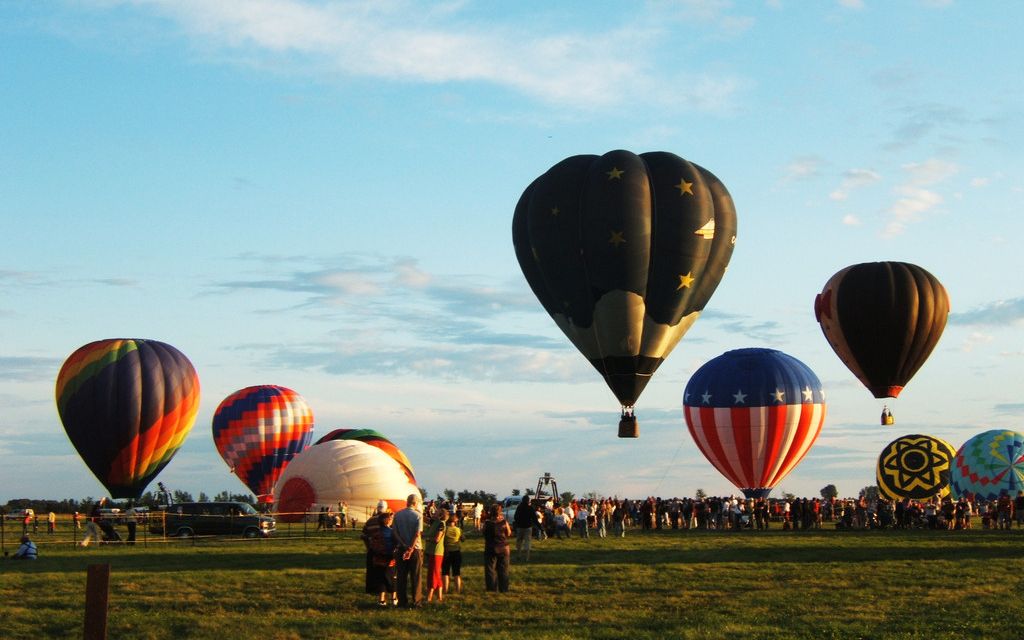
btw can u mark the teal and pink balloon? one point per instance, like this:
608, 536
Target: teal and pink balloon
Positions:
989, 465
127, 406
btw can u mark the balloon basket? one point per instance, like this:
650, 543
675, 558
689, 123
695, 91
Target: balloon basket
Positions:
628, 427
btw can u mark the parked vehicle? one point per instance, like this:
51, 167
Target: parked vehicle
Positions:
20, 514
189, 519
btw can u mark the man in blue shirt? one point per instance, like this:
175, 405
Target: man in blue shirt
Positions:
27, 550
407, 531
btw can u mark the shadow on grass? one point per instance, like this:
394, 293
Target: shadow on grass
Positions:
642, 549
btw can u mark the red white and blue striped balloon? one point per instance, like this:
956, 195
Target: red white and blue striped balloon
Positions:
258, 430
754, 414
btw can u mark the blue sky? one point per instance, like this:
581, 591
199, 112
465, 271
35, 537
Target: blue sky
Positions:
319, 195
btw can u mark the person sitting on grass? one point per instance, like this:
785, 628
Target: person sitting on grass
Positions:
27, 550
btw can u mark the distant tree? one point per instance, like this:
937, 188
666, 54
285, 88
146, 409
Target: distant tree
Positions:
203, 497
423, 493
567, 497
528, 491
515, 492
829, 491
701, 494
182, 496
223, 496
449, 494
869, 492
787, 496
477, 496
242, 497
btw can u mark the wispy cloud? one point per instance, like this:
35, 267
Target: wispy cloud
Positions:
920, 121
803, 168
854, 179
403, 41
915, 198
1013, 409
28, 369
999, 313
400, 319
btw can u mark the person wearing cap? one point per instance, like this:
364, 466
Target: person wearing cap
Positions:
374, 572
27, 550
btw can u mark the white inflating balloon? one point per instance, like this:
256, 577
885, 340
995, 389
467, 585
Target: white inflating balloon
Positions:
341, 470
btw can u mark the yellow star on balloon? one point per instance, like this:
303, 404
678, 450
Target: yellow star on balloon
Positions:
685, 187
616, 238
555, 211
685, 281
615, 173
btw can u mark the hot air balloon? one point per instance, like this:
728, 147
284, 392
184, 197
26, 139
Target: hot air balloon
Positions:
754, 414
127, 406
624, 251
374, 439
989, 465
341, 470
914, 466
258, 430
883, 319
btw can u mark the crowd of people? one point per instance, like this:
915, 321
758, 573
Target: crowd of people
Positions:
604, 515
402, 547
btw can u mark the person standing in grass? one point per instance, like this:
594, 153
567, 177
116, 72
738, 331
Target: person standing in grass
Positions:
374, 569
382, 546
434, 552
451, 568
408, 532
619, 518
496, 550
525, 520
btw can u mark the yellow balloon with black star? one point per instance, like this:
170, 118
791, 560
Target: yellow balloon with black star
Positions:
915, 466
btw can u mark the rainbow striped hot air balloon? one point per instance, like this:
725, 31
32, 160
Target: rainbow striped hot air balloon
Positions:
258, 430
754, 414
127, 406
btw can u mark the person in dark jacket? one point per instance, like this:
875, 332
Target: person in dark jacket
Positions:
496, 551
524, 520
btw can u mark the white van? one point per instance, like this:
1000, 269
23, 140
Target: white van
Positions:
509, 506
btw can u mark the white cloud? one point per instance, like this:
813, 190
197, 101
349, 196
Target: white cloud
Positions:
411, 42
803, 168
914, 199
851, 220
975, 339
852, 4
852, 180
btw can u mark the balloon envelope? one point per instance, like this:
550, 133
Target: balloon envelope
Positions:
883, 319
989, 465
127, 406
341, 470
624, 251
374, 439
754, 414
258, 430
915, 466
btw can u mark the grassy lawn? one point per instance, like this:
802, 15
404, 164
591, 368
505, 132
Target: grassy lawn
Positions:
820, 584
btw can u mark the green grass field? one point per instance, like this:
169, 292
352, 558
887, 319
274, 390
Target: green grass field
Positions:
670, 584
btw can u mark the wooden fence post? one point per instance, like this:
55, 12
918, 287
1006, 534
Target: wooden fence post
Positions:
97, 592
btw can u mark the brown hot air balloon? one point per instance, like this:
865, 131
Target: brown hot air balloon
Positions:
883, 319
